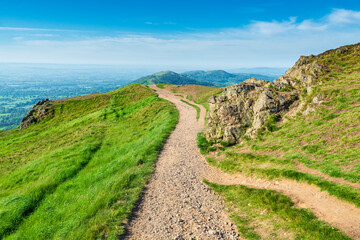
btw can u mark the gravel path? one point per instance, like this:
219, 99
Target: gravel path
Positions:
176, 203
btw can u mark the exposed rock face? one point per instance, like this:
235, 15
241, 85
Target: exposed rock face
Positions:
39, 112
242, 109
304, 73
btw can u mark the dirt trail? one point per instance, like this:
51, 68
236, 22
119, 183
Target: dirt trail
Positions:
302, 168
176, 204
342, 215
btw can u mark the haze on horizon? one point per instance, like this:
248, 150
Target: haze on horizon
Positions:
225, 34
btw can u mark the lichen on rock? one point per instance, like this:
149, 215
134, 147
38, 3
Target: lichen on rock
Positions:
242, 109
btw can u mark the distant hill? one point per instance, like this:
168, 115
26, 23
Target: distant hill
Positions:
268, 71
170, 78
218, 78
221, 78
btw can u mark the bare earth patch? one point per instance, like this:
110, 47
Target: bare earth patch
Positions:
342, 215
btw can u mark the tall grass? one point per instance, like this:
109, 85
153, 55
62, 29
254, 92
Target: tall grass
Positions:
79, 174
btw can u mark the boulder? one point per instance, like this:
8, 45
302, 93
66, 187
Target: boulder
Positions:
242, 109
39, 112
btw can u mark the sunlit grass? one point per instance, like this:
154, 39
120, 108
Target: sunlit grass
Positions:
78, 175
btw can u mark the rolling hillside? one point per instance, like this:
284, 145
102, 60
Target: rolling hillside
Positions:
315, 140
218, 78
222, 78
169, 77
78, 172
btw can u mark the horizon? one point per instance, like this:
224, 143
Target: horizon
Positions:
188, 35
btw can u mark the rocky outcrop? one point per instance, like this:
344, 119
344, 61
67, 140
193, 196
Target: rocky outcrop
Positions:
304, 73
242, 109
39, 112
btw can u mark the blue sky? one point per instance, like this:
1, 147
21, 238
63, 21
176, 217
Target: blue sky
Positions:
191, 34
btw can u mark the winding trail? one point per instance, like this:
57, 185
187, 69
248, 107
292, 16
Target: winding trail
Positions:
177, 205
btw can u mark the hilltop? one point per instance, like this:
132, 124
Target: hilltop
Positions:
221, 78
169, 77
218, 78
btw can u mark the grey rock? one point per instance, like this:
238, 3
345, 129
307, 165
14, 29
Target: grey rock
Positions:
315, 100
308, 110
39, 112
242, 109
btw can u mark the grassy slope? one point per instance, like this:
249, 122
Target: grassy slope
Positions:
197, 93
327, 140
169, 77
78, 174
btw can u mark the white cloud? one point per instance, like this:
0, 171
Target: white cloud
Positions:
273, 27
43, 35
38, 29
334, 19
273, 44
17, 38
343, 16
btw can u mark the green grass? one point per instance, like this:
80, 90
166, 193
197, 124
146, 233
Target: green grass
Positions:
194, 106
78, 174
276, 167
274, 213
190, 97
161, 85
204, 145
328, 139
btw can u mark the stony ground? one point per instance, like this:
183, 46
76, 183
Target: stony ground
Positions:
176, 203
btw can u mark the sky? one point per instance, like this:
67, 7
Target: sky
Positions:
172, 34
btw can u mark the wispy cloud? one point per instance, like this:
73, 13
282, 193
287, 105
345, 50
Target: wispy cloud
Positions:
343, 16
274, 43
335, 18
18, 38
163, 23
38, 29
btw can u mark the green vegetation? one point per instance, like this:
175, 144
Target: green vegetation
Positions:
162, 85
327, 139
253, 209
190, 97
276, 167
218, 78
23, 85
169, 77
222, 78
197, 93
204, 145
194, 106
77, 175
